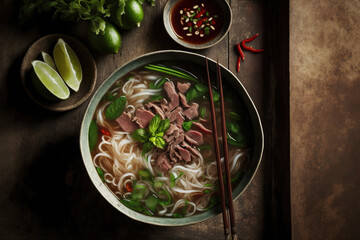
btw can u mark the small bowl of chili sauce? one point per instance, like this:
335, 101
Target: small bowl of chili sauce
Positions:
197, 24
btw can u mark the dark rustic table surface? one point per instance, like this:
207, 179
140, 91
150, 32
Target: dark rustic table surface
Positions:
46, 193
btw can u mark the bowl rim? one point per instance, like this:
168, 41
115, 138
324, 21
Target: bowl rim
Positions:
110, 196
171, 32
39, 100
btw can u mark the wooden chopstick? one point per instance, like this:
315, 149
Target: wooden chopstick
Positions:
226, 155
217, 154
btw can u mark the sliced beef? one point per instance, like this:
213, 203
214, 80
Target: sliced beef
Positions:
183, 87
185, 154
172, 128
143, 117
196, 136
163, 162
126, 124
201, 128
179, 138
179, 119
156, 108
192, 112
193, 151
168, 138
183, 100
190, 140
174, 114
172, 95
164, 105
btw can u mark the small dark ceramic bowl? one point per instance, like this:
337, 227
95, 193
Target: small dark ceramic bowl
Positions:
46, 44
227, 20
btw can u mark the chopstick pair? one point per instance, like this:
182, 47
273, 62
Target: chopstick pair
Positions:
229, 233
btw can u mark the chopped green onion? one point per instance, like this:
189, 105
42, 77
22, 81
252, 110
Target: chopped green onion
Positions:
185, 206
170, 71
151, 202
144, 173
166, 194
158, 184
173, 179
235, 116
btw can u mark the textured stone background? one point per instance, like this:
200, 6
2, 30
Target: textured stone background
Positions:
325, 119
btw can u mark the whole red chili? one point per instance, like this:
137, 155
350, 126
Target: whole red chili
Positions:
250, 48
240, 51
238, 64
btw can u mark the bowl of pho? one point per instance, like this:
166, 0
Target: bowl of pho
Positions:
146, 138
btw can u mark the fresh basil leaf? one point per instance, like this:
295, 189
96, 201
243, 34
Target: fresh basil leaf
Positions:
160, 134
192, 94
93, 135
232, 127
154, 124
153, 98
116, 108
216, 95
159, 142
187, 125
201, 88
101, 174
147, 147
164, 125
140, 135
203, 112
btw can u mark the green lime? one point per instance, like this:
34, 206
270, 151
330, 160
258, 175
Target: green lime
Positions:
48, 82
68, 64
48, 59
108, 42
132, 16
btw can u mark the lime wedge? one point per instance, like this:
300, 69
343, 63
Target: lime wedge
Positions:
48, 82
48, 59
68, 64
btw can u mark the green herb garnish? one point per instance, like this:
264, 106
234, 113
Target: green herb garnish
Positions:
173, 179
93, 135
187, 125
101, 174
116, 108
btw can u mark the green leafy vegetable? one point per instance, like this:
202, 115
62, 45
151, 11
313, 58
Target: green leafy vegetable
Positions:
147, 147
93, 135
185, 207
203, 112
101, 173
116, 108
232, 127
192, 94
109, 96
171, 71
216, 95
164, 125
187, 125
140, 135
235, 116
154, 123
201, 88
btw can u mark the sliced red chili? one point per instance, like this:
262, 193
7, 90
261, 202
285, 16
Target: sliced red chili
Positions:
250, 48
105, 132
129, 187
199, 23
240, 51
200, 13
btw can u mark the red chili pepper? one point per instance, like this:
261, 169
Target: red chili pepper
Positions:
250, 48
200, 13
238, 64
199, 23
189, 24
129, 187
213, 22
240, 51
105, 132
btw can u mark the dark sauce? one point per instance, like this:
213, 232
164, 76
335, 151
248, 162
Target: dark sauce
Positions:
197, 25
